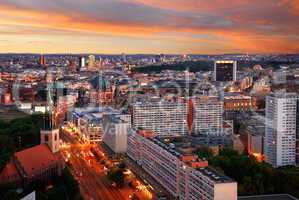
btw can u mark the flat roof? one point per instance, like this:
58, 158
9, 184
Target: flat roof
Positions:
268, 197
215, 175
207, 171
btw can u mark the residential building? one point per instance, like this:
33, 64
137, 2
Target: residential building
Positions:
116, 132
207, 113
280, 130
182, 173
90, 121
162, 117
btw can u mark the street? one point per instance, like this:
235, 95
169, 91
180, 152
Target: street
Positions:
90, 173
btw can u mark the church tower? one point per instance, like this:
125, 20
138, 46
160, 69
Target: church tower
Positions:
49, 133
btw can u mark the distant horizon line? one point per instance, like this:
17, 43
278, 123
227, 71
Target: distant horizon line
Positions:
170, 54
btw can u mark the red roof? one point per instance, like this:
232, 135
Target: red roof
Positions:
146, 133
35, 159
9, 173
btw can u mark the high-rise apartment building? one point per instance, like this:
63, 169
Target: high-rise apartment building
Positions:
116, 132
225, 71
280, 129
165, 118
207, 114
182, 174
179, 117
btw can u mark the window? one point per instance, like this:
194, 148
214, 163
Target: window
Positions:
46, 138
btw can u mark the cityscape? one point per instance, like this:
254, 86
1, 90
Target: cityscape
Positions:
149, 100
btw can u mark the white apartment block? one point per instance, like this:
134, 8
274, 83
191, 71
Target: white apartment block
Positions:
207, 114
115, 133
170, 118
164, 118
89, 121
183, 175
280, 130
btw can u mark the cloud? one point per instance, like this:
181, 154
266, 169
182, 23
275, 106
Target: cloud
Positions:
257, 26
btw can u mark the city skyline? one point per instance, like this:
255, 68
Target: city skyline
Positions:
151, 26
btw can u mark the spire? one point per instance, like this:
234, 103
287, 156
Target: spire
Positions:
49, 122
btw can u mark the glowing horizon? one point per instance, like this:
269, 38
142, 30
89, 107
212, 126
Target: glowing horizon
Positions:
149, 26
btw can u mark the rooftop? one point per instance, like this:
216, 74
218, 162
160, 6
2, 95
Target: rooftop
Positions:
36, 158
182, 146
9, 170
93, 110
215, 175
282, 94
268, 197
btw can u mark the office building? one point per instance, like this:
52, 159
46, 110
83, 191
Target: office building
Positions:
116, 132
42, 60
280, 76
89, 121
72, 65
91, 62
82, 62
178, 170
280, 130
254, 129
239, 103
123, 57
225, 71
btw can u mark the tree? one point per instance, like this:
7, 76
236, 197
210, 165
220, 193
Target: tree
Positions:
71, 184
116, 175
7, 192
254, 177
204, 152
6, 150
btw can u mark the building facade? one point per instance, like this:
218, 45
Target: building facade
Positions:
207, 114
225, 71
184, 175
116, 132
280, 130
164, 118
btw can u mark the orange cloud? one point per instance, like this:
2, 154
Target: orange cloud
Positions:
247, 34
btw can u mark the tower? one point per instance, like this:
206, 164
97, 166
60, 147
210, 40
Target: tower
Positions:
49, 133
280, 129
42, 60
91, 62
225, 70
72, 66
81, 62
51, 138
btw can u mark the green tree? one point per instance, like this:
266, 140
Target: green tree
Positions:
204, 152
254, 177
116, 175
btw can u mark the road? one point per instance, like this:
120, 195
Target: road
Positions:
93, 183
157, 187
90, 173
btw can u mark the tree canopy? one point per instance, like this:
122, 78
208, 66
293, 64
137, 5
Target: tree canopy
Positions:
254, 177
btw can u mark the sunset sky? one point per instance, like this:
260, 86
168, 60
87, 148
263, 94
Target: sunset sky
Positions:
149, 26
